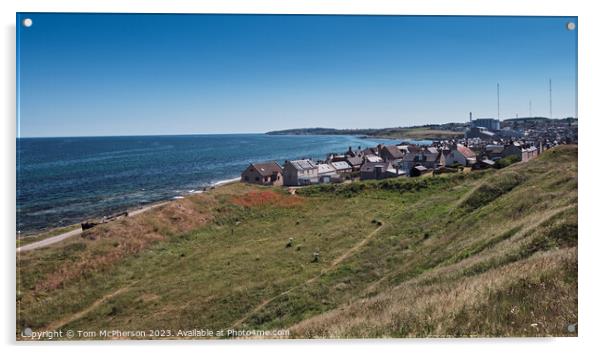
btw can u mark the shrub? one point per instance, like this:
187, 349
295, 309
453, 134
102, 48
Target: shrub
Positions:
507, 161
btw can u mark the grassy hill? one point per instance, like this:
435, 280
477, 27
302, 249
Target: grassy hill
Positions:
490, 253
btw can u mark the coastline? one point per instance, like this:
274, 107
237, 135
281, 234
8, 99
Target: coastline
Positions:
55, 238
225, 182
56, 195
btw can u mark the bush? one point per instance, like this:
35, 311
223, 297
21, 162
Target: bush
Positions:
400, 185
507, 161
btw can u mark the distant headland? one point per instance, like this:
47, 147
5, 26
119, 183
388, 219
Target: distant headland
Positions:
419, 132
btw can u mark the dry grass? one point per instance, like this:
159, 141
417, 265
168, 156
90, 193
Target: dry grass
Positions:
266, 198
511, 273
129, 236
417, 308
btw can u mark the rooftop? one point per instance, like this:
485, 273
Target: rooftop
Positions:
302, 165
267, 168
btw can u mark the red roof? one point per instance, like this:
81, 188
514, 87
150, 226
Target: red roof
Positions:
466, 151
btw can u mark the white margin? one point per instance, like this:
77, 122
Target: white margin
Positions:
589, 188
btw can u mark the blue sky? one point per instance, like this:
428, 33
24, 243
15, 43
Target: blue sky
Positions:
119, 74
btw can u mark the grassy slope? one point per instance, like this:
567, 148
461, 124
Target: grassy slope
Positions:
485, 253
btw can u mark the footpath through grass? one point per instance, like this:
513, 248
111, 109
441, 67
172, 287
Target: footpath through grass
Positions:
391, 253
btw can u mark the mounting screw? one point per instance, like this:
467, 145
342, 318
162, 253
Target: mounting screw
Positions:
570, 26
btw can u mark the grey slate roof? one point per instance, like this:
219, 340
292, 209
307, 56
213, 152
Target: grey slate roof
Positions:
325, 168
421, 168
355, 161
496, 149
302, 165
393, 151
341, 165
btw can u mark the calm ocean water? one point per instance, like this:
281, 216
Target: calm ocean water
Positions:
61, 181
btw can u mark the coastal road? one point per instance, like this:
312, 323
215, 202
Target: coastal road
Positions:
49, 241
58, 238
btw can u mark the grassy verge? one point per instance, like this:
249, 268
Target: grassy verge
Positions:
27, 239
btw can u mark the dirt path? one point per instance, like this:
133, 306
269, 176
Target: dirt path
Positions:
354, 249
526, 224
58, 238
66, 320
336, 262
49, 241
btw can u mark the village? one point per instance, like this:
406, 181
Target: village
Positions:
487, 143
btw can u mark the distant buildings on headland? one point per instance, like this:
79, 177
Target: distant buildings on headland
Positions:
487, 143
538, 129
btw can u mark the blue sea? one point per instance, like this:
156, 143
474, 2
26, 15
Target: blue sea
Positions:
62, 181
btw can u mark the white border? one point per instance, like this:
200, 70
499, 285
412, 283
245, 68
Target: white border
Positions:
589, 190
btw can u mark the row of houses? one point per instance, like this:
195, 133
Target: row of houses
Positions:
516, 149
385, 161
296, 173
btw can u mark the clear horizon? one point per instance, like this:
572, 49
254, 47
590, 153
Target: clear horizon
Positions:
144, 74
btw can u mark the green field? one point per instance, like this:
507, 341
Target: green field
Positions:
491, 253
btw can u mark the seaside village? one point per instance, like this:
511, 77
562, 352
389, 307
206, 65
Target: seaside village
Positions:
486, 144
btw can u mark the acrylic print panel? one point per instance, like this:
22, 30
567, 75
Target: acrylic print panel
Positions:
288, 176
